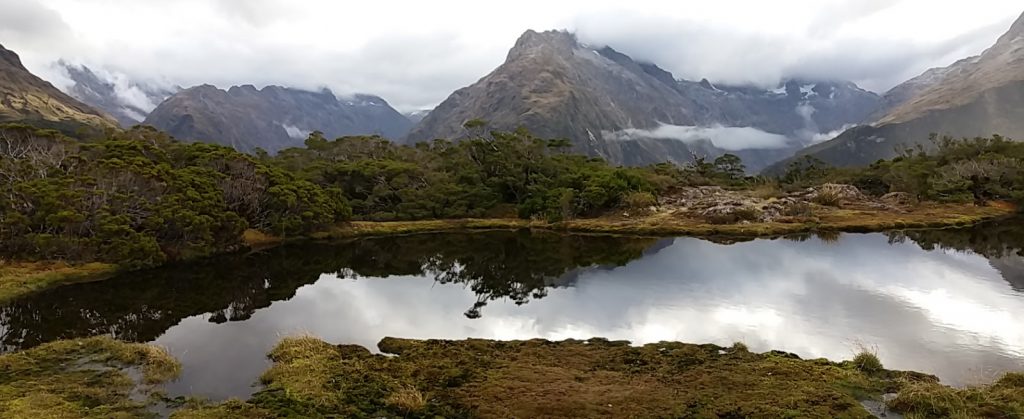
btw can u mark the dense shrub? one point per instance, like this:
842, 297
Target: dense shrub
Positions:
139, 198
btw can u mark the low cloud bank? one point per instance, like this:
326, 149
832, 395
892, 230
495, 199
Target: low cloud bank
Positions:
825, 136
725, 138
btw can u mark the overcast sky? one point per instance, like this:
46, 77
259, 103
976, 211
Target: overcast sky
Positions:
414, 54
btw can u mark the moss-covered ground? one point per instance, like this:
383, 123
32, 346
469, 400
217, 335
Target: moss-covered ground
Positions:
21, 278
588, 379
86, 378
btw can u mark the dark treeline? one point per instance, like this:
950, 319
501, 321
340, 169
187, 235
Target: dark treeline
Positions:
139, 198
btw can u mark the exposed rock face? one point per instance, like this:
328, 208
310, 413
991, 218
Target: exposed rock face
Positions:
612, 106
126, 100
977, 96
23, 96
272, 118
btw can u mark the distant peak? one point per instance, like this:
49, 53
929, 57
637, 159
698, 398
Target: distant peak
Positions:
1016, 31
245, 88
532, 40
10, 57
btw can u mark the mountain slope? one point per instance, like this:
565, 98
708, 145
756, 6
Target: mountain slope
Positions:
272, 118
614, 107
127, 101
25, 97
977, 96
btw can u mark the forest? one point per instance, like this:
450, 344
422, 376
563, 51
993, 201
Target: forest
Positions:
139, 198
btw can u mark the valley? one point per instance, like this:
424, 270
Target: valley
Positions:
306, 211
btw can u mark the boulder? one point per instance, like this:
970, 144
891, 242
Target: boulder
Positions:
898, 198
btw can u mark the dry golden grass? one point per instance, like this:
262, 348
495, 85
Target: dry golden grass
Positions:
256, 239
851, 218
21, 278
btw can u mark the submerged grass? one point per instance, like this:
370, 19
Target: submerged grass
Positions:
83, 378
22, 278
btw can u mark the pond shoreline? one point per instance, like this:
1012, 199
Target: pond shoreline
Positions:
837, 220
23, 278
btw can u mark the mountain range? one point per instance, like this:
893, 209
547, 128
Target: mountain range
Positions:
976, 96
127, 100
606, 103
633, 113
25, 97
272, 118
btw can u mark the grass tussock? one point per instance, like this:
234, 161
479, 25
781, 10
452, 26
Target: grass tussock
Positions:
1002, 399
83, 378
868, 362
21, 278
828, 198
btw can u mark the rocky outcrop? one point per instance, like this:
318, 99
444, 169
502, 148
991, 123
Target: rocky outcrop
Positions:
717, 205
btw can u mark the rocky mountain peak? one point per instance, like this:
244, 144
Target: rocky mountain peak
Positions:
531, 42
10, 57
1016, 32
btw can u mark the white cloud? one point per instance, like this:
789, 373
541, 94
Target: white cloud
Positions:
416, 53
295, 132
725, 138
825, 136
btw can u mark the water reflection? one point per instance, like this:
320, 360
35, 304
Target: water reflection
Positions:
944, 302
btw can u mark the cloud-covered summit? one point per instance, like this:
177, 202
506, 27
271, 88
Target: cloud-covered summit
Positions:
416, 56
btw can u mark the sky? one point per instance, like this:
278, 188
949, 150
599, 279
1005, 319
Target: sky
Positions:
415, 53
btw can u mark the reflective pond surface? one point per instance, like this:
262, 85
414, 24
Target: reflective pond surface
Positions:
946, 302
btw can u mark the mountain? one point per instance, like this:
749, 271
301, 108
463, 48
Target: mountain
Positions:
416, 116
272, 118
633, 113
25, 97
126, 100
976, 96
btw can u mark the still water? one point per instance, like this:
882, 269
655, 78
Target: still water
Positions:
947, 302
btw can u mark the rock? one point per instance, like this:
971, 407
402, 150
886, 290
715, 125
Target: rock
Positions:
730, 212
898, 198
843, 192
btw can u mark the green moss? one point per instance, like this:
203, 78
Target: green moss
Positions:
82, 378
593, 378
18, 279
